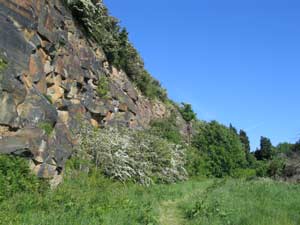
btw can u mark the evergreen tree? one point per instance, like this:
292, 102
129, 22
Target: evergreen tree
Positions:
265, 151
232, 128
245, 141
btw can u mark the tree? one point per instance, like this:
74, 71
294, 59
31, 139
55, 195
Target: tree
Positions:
232, 128
188, 115
245, 141
265, 151
284, 147
246, 145
187, 112
220, 148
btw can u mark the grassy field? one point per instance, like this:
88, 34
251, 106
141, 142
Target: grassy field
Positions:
95, 200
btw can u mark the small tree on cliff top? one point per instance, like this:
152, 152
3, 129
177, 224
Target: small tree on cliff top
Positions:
188, 115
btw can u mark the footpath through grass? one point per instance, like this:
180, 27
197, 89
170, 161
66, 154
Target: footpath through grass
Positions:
85, 200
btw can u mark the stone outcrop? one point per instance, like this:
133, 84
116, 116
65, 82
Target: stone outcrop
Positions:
51, 80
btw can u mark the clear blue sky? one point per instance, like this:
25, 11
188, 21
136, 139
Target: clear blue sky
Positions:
234, 61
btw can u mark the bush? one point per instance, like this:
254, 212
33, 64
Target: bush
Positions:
275, 167
167, 128
47, 127
196, 163
261, 169
103, 87
221, 148
125, 154
15, 177
3, 64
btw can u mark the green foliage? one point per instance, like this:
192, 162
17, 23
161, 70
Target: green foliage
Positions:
257, 202
47, 127
261, 168
90, 198
106, 31
232, 128
221, 148
245, 140
276, 167
271, 168
103, 87
284, 148
82, 199
196, 163
3, 64
246, 145
266, 149
187, 112
167, 128
247, 173
16, 177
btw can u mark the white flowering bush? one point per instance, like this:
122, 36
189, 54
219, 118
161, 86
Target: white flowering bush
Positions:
126, 154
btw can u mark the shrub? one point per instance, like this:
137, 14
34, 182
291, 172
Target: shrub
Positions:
47, 127
221, 147
15, 176
103, 87
261, 169
196, 163
275, 167
125, 154
167, 128
3, 64
187, 112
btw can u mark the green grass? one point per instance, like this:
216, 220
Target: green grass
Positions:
239, 202
92, 199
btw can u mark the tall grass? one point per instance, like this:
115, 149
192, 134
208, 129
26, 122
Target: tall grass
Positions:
91, 199
240, 202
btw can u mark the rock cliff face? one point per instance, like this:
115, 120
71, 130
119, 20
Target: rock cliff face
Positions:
50, 85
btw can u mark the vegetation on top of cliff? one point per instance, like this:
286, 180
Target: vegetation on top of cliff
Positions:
187, 112
107, 32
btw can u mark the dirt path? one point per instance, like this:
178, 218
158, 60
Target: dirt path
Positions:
170, 214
